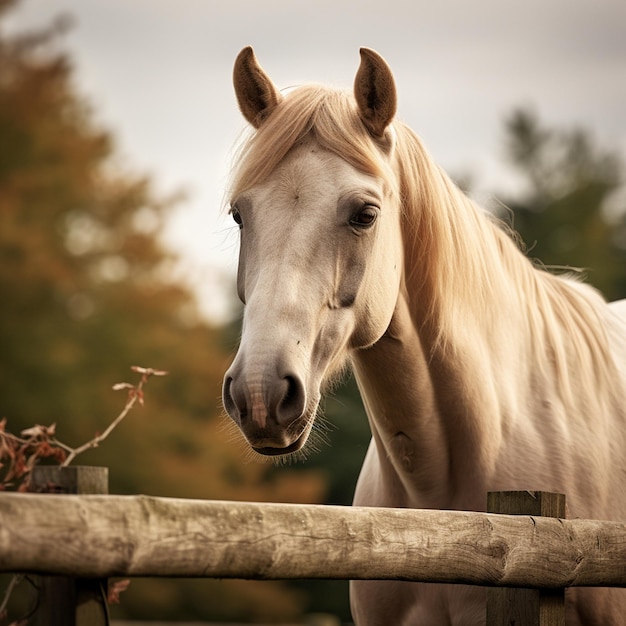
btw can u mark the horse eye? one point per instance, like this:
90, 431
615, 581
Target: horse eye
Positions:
365, 217
234, 211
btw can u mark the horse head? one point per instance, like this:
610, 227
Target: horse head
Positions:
320, 248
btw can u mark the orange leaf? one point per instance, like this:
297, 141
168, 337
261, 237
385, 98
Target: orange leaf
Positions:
113, 597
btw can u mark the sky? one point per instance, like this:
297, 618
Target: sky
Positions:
158, 74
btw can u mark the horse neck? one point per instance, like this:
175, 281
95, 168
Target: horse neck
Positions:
437, 385
435, 398
433, 405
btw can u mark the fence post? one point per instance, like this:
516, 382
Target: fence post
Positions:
526, 607
62, 600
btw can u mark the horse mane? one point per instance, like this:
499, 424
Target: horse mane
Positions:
457, 254
471, 267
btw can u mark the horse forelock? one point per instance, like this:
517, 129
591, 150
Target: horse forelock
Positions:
328, 116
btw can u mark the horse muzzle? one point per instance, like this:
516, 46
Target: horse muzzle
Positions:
271, 409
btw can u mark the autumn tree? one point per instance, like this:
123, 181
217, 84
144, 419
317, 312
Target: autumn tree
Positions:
88, 289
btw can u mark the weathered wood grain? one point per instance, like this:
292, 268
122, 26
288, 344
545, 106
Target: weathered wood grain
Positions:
104, 536
65, 600
531, 607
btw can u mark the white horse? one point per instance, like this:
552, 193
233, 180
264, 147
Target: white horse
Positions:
478, 371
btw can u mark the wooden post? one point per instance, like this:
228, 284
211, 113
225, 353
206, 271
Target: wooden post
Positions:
66, 601
526, 607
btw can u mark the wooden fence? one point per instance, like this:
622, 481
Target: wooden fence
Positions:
94, 537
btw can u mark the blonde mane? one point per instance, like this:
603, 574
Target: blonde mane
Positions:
457, 255
472, 267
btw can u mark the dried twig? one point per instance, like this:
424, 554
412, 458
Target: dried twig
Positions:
21, 454
135, 394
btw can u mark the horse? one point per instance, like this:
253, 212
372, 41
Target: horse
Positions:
478, 370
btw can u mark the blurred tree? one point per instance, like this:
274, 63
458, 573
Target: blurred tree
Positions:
87, 289
569, 212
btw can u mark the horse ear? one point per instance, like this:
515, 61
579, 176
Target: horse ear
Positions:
256, 94
375, 92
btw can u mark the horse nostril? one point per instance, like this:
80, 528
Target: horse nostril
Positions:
291, 405
283, 400
237, 411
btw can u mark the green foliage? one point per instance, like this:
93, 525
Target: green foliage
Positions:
568, 214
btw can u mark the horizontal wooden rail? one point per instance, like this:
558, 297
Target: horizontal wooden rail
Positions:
104, 536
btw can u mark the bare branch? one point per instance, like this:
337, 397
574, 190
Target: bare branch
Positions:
135, 394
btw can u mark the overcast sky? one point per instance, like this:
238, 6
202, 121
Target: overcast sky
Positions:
159, 75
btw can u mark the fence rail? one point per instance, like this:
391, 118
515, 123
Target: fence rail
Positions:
526, 557
101, 536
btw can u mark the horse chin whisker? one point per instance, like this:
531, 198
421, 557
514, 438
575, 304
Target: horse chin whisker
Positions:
318, 437
229, 429
336, 378
320, 431
257, 457
233, 435
286, 459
